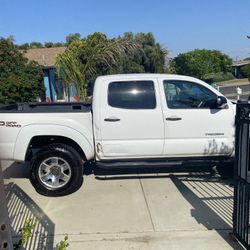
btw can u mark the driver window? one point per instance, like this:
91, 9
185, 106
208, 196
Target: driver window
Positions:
188, 95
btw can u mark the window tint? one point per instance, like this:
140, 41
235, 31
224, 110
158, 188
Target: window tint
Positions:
183, 94
132, 95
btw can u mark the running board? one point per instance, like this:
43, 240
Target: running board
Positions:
136, 164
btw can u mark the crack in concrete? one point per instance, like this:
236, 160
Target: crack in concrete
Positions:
145, 199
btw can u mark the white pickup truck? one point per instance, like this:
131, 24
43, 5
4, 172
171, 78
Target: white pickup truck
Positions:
136, 120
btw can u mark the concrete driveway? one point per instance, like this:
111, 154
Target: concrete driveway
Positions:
135, 211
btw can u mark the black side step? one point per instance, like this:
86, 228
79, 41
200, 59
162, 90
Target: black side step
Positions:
136, 164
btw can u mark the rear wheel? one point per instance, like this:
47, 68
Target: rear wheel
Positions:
56, 170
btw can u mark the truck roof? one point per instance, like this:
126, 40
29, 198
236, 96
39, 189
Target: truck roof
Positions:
143, 76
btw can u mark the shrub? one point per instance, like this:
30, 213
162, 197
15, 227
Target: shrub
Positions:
219, 77
245, 71
20, 80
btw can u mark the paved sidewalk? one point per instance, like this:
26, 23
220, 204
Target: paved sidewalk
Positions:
136, 211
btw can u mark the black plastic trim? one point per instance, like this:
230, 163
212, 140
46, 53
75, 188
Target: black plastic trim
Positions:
65, 107
167, 162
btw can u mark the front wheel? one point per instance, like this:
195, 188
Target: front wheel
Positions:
56, 170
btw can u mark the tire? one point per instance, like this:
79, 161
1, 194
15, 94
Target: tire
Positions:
226, 171
56, 170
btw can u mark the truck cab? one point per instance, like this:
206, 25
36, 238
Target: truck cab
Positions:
160, 116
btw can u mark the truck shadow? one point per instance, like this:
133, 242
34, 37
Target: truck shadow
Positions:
212, 203
213, 148
22, 208
210, 197
16, 170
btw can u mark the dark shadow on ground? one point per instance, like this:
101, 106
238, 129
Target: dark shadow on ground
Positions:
212, 202
21, 208
17, 170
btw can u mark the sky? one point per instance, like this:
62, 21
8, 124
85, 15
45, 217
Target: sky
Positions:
178, 25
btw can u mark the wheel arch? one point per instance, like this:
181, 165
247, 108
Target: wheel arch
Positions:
37, 136
40, 141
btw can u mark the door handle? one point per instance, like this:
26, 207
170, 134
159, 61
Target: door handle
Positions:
173, 118
112, 119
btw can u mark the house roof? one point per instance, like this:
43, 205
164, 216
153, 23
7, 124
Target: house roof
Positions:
44, 56
240, 63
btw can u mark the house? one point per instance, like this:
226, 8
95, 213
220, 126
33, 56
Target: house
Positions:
237, 67
46, 57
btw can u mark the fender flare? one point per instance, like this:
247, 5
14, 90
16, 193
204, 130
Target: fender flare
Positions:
28, 132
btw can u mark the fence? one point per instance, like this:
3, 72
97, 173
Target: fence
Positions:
5, 229
242, 175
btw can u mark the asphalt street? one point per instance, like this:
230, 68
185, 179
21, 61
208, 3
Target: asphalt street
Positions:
231, 92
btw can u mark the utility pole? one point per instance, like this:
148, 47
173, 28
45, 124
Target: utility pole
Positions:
5, 229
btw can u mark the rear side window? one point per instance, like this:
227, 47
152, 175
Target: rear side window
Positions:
132, 95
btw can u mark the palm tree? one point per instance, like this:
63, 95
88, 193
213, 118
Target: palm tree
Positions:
73, 69
69, 69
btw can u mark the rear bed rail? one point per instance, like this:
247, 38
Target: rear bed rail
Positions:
46, 107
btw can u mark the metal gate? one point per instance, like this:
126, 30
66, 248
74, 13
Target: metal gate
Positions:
242, 175
5, 231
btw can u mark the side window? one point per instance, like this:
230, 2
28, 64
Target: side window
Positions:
188, 95
132, 95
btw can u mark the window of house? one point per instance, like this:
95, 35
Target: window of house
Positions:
132, 95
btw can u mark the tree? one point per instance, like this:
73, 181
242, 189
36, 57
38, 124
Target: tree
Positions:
203, 64
245, 70
34, 45
59, 44
70, 69
82, 60
149, 56
20, 80
48, 45
153, 56
72, 37
23, 46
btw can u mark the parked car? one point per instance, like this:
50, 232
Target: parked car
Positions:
135, 120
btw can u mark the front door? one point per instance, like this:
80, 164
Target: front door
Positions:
131, 120
194, 125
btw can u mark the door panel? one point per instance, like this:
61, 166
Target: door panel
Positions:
197, 127
132, 123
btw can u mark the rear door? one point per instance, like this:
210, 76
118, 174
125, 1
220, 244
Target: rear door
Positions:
131, 120
194, 126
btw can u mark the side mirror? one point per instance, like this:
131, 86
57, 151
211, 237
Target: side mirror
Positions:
221, 102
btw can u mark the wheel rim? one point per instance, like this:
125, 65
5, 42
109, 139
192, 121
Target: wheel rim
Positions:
54, 172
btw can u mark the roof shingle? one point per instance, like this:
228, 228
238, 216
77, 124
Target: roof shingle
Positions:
44, 56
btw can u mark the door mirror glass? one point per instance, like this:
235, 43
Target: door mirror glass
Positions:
221, 102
